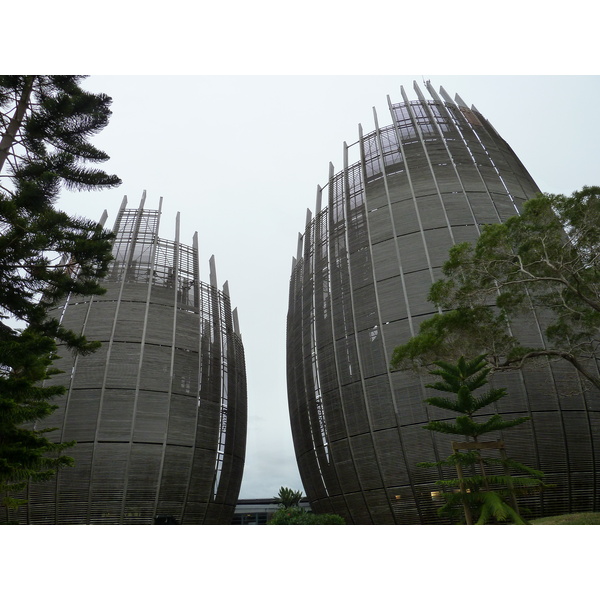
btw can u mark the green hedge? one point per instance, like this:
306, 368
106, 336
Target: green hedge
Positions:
298, 516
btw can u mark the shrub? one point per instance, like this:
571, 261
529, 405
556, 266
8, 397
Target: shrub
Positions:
298, 516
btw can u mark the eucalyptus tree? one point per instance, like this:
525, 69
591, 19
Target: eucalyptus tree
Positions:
545, 259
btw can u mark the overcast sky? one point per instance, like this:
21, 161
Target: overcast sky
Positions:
240, 157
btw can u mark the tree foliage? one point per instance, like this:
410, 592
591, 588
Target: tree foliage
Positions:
299, 516
288, 498
25, 452
45, 254
290, 512
547, 259
488, 491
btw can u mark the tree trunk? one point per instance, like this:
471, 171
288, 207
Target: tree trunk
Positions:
8, 139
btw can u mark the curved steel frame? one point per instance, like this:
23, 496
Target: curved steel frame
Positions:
359, 288
159, 412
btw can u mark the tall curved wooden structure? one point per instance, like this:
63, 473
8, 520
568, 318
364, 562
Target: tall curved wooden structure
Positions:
159, 412
366, 260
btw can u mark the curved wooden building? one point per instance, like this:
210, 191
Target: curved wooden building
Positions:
382, 230
159, 412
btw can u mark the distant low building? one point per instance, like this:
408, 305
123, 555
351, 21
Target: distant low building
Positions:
259, 511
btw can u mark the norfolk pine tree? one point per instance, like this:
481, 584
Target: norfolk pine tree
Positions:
483, 493
45, 254
25, 453
547, 259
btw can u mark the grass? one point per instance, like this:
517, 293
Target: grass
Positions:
590, 518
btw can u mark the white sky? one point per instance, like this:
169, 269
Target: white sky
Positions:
240, 158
